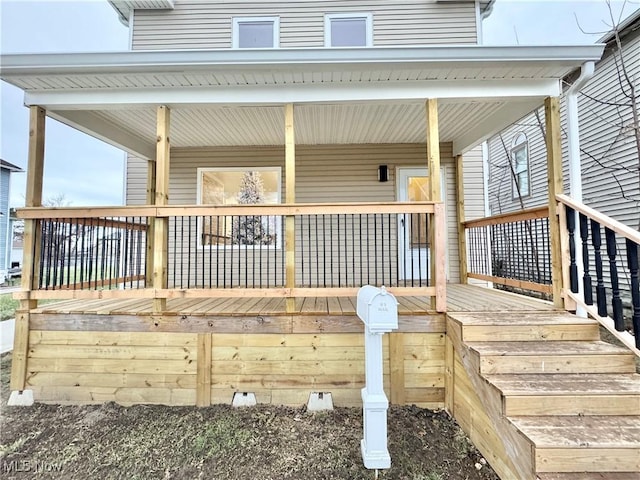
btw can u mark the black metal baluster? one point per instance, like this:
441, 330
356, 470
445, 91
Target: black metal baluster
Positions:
375, 247
600, 290
616, 301
632, 262
573, 267
586, 277
368, 253
346, 252
353, 249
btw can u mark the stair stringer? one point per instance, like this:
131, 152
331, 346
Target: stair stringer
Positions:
509, 452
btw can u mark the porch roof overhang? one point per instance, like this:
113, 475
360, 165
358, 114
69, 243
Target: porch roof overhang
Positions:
351, 95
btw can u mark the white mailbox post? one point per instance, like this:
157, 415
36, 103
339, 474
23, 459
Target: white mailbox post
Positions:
378, 309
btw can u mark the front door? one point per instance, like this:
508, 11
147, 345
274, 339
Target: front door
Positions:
413, 230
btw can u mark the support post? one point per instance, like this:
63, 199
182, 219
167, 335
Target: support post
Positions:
151, 200
435, 195
31, 257
203, 372
290, 197
555, 187
462, 235
161, 225
396, 367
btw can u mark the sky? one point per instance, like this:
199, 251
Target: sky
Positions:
89, 172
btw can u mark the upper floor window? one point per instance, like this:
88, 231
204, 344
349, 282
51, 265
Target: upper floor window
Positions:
520, 159
256, 32
348, 30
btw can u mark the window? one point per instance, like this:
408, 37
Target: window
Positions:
520, 159
256, 32
348, 30
239, 186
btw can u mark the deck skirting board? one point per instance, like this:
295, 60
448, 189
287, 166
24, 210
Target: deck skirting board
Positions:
195, 368
427, 323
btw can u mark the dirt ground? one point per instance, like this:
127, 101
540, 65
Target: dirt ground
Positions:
265, 442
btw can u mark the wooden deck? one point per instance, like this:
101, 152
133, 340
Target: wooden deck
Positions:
460, 298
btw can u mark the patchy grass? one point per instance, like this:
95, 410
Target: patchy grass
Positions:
146, 442
8, 306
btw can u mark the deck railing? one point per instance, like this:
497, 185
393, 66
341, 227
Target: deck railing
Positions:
511, 250
239, 250
600, 240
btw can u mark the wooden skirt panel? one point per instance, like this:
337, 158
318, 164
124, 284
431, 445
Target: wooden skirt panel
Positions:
205, 368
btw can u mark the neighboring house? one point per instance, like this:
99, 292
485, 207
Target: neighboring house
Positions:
6, 169
281, 156
608, 142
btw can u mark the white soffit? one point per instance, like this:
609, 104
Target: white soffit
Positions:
125, 7
226, 97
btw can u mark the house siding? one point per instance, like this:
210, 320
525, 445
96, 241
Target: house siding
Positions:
207, 25
4, 219
609, 156
327, 173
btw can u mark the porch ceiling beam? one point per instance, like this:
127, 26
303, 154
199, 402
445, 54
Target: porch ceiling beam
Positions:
508, 114
415, 91
91, 124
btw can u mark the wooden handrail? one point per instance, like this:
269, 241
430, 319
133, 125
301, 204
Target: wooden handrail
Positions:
518, 216
602, 219
222, 210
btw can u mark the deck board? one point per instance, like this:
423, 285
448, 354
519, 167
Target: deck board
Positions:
460, 298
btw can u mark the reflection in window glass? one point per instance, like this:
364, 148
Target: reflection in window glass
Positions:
255, 35
240, 187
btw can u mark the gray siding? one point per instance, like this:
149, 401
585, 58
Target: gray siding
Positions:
609, 158
4, 219
200, 24
327, 173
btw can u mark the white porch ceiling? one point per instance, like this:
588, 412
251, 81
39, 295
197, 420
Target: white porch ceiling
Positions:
236, 97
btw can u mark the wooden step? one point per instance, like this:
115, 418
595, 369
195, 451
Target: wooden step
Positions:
583, 444
590, 476
525, 326
553, 357
568, 394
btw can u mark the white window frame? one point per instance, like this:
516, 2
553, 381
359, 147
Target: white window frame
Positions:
274, 169
235, 42
520, 142
328, 17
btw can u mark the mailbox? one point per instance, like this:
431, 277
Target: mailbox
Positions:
378, 309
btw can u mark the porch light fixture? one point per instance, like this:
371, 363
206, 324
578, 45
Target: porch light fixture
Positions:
383, 173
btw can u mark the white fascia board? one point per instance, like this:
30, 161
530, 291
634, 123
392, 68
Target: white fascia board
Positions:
298, 93
94, 126
510, 113
183, 61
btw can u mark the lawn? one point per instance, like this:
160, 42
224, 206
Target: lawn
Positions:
7, 306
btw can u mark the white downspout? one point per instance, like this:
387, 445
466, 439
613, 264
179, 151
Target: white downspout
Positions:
575, 167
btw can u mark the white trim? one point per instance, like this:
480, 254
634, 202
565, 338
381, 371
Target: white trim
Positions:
236, 21
120, 137
131, 22
158, 61
509, 114
368, 18
479, 31
417, 91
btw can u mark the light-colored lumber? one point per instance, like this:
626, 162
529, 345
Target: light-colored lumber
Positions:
435, 195
203, 373
555, 187
151, 200
290, 197
449, 380
460, 217
396, 367
512, 282
510, 217
438, 263
161, 225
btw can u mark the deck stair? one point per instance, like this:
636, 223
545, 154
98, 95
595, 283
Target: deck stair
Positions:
553, 391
